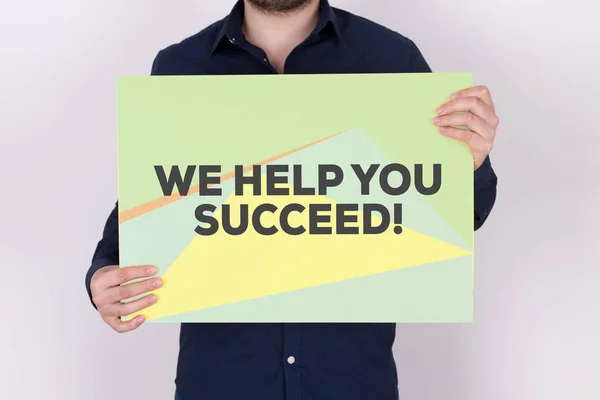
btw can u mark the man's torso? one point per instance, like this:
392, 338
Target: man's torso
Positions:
290, 361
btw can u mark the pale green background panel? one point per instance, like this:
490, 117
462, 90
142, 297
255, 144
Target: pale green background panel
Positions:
229, 120
440, 292
248, 118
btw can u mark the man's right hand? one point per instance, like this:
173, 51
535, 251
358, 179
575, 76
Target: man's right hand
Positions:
109, 286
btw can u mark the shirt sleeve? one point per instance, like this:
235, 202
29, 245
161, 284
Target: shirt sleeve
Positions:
485, 191
485, 179
418, 64
107, 249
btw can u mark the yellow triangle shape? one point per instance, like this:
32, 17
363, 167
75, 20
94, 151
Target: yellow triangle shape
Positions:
224, 269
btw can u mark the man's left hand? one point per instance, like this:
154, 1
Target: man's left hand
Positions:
471, 108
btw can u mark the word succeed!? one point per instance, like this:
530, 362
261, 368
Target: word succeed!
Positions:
319, 214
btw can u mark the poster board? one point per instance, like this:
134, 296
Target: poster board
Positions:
296, 198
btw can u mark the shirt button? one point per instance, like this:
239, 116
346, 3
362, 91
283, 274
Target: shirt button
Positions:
232, 40
291, 360
266, 59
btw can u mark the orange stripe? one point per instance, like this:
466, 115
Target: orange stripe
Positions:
152, 205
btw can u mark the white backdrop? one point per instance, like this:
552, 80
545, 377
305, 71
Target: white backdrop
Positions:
537, 329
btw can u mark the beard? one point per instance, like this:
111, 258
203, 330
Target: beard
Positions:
279, 6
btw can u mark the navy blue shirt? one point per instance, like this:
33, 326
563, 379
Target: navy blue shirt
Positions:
252, 361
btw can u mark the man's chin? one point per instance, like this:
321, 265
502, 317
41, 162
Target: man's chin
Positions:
279, 6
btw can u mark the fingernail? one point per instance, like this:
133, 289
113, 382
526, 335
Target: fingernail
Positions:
153, 298
442, 128
454, 97
437, 120
150, 270
440, 110
157, 283
140, 319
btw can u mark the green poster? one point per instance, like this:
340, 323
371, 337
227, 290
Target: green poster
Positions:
296, 198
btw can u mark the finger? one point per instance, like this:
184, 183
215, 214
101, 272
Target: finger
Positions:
464, 135
471, 121
472, 105
476, 142
125, 326
480, 92
119, 276
124, 309
127, 291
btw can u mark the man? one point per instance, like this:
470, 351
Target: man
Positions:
290, 361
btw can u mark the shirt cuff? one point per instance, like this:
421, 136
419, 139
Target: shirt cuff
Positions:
483, 174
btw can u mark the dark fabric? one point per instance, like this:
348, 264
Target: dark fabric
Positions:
332, 361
